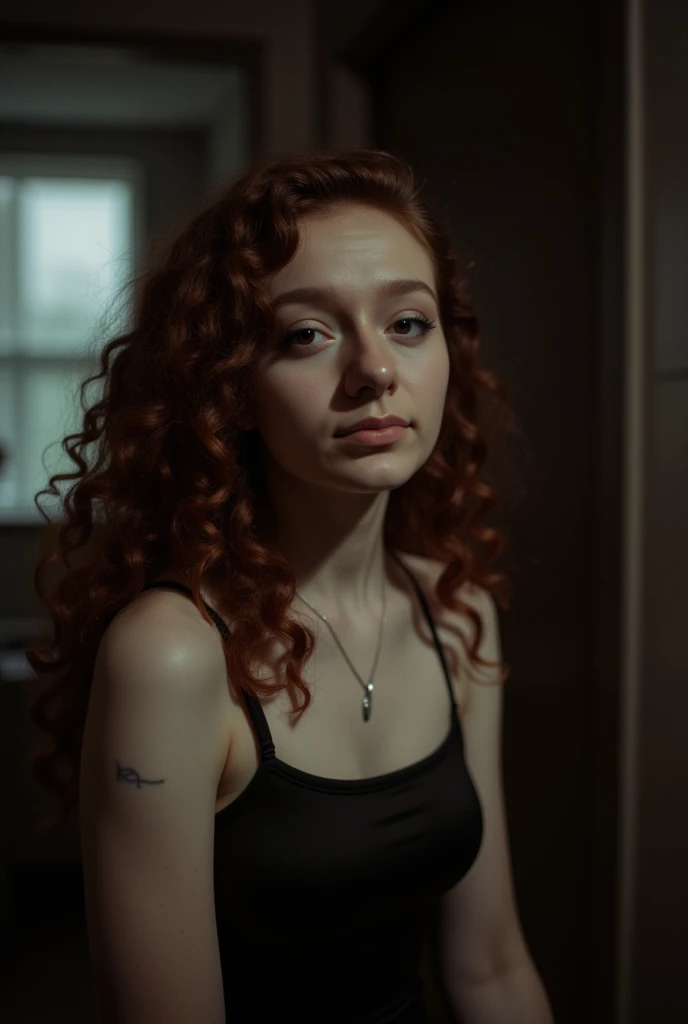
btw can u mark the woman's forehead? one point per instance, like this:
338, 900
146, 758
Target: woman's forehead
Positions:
356, 251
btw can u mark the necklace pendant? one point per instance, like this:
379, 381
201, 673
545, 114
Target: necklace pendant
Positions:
367, 702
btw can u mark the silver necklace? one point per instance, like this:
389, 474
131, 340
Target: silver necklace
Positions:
368, 687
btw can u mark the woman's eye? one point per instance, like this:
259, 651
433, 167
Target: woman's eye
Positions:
290, 338
425, 325
300, 334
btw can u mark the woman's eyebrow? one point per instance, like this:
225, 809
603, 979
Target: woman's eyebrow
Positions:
387, 290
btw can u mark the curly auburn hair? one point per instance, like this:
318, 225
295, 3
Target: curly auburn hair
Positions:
174, 478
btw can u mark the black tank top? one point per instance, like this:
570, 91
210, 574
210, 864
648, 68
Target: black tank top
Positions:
323, 886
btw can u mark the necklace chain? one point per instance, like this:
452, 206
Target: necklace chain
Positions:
368, 687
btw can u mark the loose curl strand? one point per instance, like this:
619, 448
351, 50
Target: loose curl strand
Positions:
165, 474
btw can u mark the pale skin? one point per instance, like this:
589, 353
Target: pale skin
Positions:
357, 352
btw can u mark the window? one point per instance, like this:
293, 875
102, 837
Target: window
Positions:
69, 232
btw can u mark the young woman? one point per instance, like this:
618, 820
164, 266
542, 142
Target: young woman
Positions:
280, 669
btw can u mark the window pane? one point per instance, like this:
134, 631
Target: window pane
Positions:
75, 251
6, 288
51, 411
8, 439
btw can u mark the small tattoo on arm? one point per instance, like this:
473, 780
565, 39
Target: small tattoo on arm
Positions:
131, 775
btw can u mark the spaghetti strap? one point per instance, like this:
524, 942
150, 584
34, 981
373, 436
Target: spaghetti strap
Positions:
428, 616
221, 625
255, 709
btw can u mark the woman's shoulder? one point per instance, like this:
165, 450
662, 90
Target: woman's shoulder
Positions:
161, 640
428, 571
457, 625
164, 619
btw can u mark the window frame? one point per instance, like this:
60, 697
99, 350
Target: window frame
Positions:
24, 512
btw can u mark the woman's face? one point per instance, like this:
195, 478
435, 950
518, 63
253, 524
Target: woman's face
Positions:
354, 351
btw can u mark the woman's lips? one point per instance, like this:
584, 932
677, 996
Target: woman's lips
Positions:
371, 437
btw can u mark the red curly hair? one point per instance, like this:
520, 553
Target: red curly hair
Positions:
174, 477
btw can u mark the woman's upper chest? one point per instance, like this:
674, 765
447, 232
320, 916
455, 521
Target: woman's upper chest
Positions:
411, 703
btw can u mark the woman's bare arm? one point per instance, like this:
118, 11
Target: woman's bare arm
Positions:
152, 756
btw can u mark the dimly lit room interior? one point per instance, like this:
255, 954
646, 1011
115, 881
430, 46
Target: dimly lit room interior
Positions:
550, 140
